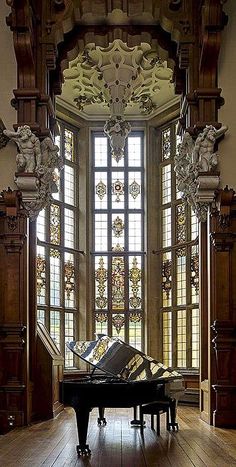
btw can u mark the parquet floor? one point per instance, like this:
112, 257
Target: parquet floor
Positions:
52, 443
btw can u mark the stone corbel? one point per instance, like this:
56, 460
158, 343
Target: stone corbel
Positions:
36, 163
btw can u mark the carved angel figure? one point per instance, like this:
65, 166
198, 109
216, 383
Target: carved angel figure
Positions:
29, 156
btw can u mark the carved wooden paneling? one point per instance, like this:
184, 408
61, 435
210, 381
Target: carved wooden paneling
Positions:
14, 378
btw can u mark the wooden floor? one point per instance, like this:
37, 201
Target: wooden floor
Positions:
52, 443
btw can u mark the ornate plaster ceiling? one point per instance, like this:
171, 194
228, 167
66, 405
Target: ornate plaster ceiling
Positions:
117, 80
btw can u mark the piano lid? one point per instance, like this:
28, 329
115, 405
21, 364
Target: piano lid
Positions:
116, 358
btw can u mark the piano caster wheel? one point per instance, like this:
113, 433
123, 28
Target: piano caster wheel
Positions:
102, 421
83, 450
173, 427
137, 422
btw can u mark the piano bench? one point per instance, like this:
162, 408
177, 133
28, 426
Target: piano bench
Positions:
156, 408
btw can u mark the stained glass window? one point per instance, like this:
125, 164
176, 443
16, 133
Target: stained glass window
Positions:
178, 259
57, 256
118, 246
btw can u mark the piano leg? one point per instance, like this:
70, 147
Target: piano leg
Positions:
82, 417
137, 421
172, 425
101, 418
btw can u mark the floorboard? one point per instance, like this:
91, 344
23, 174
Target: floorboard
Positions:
118, 444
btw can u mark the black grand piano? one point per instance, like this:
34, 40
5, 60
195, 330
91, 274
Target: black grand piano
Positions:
128, 378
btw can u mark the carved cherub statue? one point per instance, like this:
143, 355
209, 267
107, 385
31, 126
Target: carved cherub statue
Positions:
203, 155
29, 157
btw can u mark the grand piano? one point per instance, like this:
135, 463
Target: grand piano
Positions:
127, 378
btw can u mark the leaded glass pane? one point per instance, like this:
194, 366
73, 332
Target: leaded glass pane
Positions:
118, 326
55, 326
100, 190
194, 264
195, 338
167, 338
181, 276
100, 151
117, 281
181, 338
101, 322
194, 225
55, 277
135, 330
135, 232
180, 223
135, 282
69, 145
69, 280
118, 229
166, 279
41, 226
135, 190
101, 276
166, 227
69, 228
41, 316
69, 336
41, 275
166, 184
166, 144
117, 190
55, 224
57, 181
134, 151
100, 230
69, 185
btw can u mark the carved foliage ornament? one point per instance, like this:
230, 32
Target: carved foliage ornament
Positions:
36, 163
195, 165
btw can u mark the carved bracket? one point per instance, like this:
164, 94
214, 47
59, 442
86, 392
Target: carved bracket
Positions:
36, 163
195, 166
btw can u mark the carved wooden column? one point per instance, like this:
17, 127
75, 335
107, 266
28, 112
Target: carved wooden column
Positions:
14, 375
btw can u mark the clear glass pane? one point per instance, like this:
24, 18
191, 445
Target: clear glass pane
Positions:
167, 338
69, 336
101, 322
195, 338
100, 231
166, 184
134, 151
69, 185
55, 326
100, 151
69, 228
41, 316
194, 225
166, 227
181, 338
41, 226
135, 232
55, 277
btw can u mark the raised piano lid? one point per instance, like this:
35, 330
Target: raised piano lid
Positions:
116, 358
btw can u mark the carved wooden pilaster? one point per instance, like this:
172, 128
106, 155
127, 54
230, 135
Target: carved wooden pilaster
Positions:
222, 318
224, 344
14, 379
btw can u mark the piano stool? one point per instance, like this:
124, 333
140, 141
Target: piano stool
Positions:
157, 408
